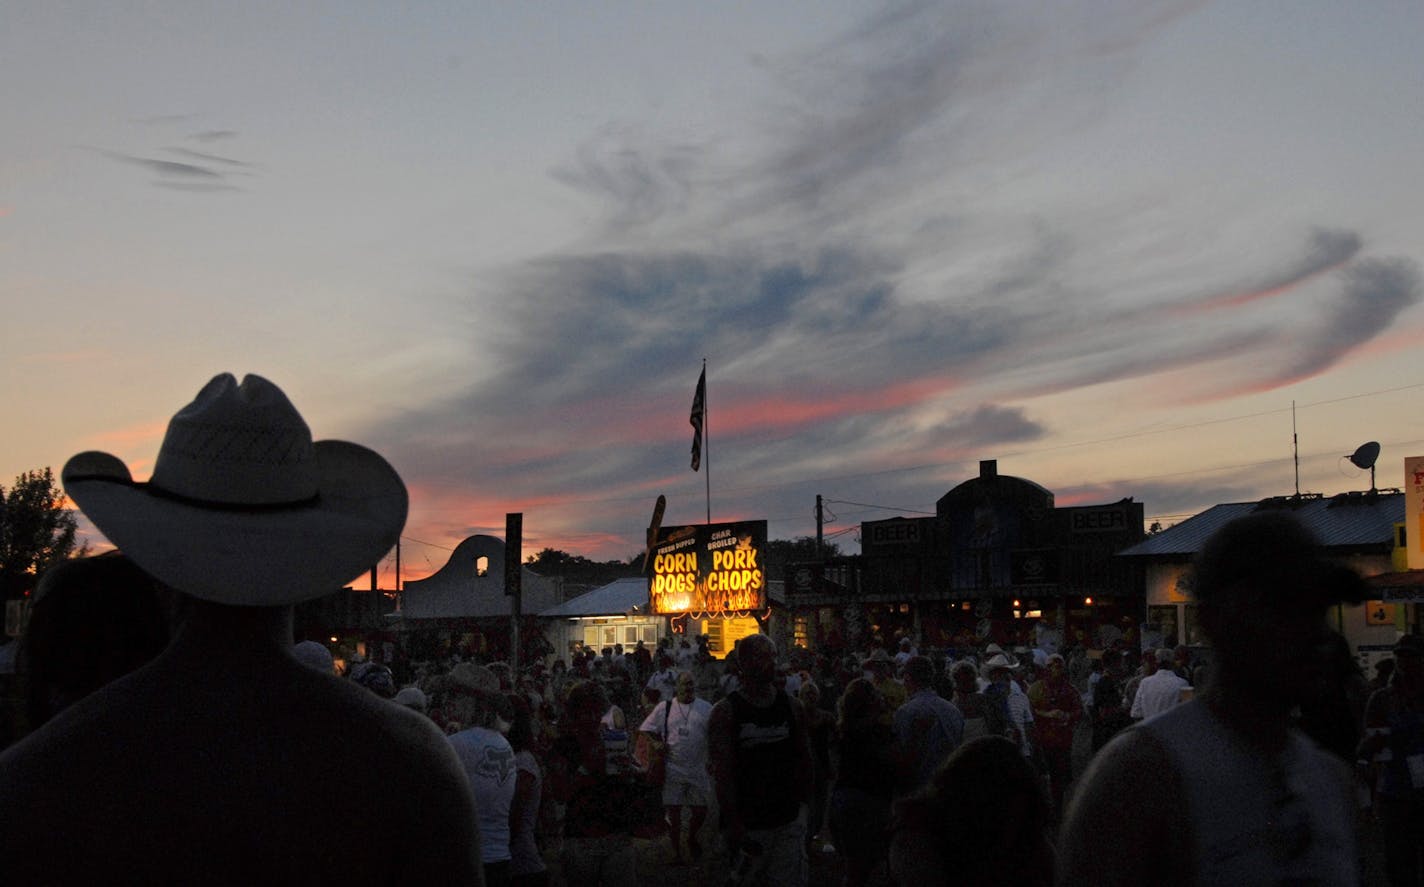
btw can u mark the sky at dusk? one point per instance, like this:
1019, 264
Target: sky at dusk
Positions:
1108, 244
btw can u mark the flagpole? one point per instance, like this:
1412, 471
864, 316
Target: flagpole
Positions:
706, 451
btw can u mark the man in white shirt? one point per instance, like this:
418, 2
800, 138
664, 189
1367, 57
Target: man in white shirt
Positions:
1160, 690
681, 723
685, 657
664, 680
907, 649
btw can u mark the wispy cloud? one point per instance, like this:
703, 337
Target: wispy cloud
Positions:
170, 168
1372, 295
209, 158
201, 176
862, 312
1325, 251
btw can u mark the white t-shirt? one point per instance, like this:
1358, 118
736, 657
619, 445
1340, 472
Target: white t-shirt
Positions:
489, 766
793, 684
665, 682
686, 736
1049, 638
1158, 693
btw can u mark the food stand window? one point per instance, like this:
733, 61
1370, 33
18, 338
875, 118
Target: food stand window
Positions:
1163, 618
1191, 620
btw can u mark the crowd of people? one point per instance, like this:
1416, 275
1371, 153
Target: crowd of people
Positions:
178, 734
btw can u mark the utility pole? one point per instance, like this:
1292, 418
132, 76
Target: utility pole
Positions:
513, 582
820, 520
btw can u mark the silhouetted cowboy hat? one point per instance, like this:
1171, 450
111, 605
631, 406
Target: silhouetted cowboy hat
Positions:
997, 662
243, 507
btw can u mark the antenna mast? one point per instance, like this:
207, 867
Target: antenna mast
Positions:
1295, 450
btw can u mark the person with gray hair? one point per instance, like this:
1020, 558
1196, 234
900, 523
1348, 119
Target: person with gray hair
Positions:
1223, 789
216, 763
315, 655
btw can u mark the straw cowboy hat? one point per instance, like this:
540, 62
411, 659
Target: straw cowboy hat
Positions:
243, 507
998, 661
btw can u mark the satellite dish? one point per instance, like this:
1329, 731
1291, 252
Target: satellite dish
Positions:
1365, 456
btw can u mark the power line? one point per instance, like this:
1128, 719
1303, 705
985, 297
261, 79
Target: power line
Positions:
881, 507
1206, 422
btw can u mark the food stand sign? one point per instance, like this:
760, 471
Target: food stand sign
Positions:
710, 568
1414, 510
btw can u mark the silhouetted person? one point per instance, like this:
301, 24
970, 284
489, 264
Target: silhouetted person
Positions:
865, 781
1334, 715
220, 761
927, 727
983, 819
1108, 711
761, 769
1222, 789
1394, 718
92, 621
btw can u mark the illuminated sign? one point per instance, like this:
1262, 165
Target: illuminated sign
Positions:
1414, 510
710, 568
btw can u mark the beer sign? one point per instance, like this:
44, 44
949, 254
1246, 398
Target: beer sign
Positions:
709, 568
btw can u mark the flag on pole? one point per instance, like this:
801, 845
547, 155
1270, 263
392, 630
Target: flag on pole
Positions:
699, 406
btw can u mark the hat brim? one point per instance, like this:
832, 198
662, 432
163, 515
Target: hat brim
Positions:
1008, 664
250, 557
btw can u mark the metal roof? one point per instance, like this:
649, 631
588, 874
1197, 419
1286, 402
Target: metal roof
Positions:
1349, 520
614, 599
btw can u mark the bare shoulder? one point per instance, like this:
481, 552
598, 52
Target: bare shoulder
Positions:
720, 726
1124, 824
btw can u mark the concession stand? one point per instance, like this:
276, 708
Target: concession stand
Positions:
711, 579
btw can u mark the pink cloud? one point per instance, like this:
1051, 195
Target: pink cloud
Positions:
784, 412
